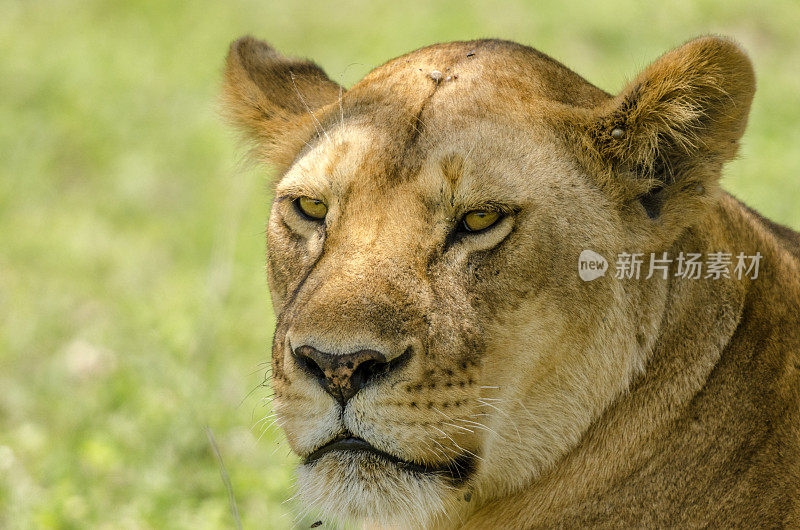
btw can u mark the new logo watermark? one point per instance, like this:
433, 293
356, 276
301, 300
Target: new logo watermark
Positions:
591, 265
689, 265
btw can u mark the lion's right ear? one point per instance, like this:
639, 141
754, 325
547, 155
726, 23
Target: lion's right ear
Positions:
273, 99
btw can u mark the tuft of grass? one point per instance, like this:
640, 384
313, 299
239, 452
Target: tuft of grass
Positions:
226, 479
133, 301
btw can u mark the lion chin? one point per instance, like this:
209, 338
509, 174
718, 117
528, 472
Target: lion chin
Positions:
349, 485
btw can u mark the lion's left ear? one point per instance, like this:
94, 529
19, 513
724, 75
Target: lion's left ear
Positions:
689, 107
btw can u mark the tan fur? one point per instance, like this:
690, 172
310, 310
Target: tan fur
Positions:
611, 403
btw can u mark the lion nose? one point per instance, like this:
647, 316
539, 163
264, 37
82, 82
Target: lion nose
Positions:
343, 375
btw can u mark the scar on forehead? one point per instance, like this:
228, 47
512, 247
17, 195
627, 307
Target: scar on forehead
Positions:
452, 168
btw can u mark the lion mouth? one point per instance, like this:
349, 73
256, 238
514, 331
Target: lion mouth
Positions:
457, 469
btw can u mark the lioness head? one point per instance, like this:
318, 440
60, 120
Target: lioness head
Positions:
435, 345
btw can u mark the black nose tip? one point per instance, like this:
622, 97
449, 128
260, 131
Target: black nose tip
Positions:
343, 375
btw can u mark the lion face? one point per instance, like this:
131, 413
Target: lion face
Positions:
432, 330
455, 316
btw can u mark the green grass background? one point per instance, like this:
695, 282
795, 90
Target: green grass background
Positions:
133, 302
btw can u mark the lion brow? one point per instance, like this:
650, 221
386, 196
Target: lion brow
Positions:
452, 167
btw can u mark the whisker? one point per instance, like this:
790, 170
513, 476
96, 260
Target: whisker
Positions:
456, 443
479, 426
341, 108
513, 423
265, 418
313, 116
459, 427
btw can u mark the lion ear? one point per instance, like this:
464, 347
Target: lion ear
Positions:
273, 99
689, 107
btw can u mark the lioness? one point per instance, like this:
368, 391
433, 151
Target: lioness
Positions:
440, 358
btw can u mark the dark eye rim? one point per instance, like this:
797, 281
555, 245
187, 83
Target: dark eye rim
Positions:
303, 214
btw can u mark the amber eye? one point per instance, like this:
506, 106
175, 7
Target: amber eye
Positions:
311, 208
478, 220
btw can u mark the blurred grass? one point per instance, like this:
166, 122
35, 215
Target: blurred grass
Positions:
133, 305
